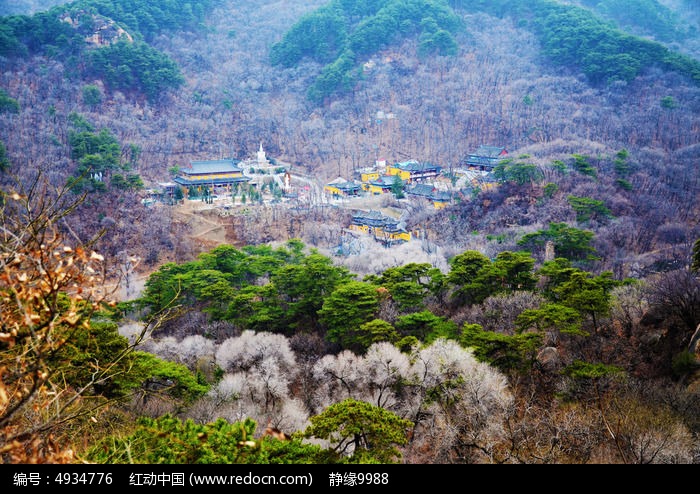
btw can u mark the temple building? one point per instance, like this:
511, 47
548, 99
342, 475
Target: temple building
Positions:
412, 171
341, 187
486, 157
439, 198
215, 174
384, 229
380, 185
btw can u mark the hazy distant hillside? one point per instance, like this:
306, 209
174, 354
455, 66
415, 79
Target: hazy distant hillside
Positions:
673, 22
9, 7
343, 36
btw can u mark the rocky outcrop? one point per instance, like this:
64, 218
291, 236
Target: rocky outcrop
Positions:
550, 359
98, 30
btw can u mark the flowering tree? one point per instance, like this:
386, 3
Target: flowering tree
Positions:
259, 370
456, 404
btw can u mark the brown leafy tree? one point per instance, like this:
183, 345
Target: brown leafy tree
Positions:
50, 288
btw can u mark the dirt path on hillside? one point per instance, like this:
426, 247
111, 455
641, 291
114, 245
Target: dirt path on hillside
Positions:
207, 226
207, 231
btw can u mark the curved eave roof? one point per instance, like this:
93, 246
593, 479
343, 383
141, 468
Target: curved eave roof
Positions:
229, 180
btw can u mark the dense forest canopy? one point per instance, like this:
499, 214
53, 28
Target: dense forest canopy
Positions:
341, 34
559, 298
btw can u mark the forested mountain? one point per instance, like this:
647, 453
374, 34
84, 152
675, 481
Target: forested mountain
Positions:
570, 36
548, 316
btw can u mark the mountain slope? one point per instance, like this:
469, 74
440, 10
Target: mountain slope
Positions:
498, 88
570, 36
107, 40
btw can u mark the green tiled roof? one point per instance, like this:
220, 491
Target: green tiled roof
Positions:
385, 181
214, 166
416, 167
487, 156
